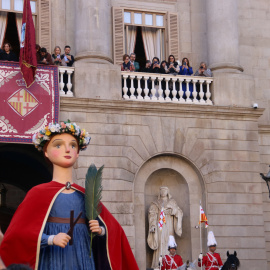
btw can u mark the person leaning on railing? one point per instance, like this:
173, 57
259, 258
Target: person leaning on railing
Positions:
7, 53
155, 67
172, 66
147, 67
46, 58
203, 71
56, 56
186, 69
127, 65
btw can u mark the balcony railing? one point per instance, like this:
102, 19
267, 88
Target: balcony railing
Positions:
65, 85
155, 87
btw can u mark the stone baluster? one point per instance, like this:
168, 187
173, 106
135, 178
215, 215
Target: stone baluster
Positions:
201, 94
174, 92
181, 92
160, 91
208, 93
69, 84
146, 90
125, 89
195, 93
61, 84
139, 89
153, 90
132, 89
167, 91
188, 93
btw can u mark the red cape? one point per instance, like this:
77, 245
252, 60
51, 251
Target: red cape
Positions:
21, 243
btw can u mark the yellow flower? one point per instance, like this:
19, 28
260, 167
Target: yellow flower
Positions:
48, 133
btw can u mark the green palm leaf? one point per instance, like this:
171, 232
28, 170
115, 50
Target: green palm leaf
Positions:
93, 192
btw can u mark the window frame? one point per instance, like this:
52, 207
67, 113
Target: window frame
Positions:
16, 11
144, 12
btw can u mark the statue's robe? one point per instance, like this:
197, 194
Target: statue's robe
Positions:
158, 240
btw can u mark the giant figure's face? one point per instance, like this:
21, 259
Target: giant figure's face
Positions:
172, 251
62, 150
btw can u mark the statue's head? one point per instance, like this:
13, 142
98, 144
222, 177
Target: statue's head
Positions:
164, 192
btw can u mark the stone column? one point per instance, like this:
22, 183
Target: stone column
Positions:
95, 75
222, 35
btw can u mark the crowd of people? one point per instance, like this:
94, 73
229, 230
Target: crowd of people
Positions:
166, 67
169, 67
43, 56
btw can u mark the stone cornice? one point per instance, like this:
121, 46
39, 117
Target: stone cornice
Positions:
159, 109
264, 129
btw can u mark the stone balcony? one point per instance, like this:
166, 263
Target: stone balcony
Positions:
153, 87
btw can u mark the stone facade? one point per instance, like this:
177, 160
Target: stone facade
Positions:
208, 153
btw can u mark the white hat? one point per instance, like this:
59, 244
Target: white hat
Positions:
171, 242
211, 239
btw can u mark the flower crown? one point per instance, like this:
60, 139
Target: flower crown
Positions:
45, 134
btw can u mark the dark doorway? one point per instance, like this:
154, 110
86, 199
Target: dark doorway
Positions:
12, 33
139, 49
22, 167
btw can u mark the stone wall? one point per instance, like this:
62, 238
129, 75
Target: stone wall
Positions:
216, 145
264, 141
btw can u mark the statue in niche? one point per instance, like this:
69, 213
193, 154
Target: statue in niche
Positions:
157, 238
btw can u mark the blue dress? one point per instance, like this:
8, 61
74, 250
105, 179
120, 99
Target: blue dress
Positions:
187, 72
75, 257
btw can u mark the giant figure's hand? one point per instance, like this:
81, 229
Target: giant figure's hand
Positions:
61, 240
94, 227
1, 236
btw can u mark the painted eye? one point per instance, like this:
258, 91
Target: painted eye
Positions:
58, 146
73, 146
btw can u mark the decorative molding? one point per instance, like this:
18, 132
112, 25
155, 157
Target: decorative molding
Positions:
264, 129
160, 109
89, 55
218, 66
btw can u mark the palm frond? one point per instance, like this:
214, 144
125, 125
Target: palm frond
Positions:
93, 194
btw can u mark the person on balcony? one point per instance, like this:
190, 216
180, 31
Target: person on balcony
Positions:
8, 54
162, 69
155, 67
45, 57
67, 58
56, 56
172, 66
186, 69
132, 61
147, 67
203, 71
38, 53
127, 65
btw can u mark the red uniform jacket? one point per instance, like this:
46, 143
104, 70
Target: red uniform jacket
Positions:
21, 243
212, 261
171, 262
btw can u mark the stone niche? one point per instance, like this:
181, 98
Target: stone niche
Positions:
186, 186
180, 193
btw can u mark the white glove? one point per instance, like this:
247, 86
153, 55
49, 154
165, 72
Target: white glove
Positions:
160, 259
201, 256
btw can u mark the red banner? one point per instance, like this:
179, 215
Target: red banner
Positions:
28, 58
24, 111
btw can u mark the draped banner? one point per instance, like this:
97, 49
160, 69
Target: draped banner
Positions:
24, 111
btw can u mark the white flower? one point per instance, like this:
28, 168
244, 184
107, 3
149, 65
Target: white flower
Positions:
46, 138
53, 129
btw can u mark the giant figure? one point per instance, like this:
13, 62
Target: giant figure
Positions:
38, 233
157, 239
